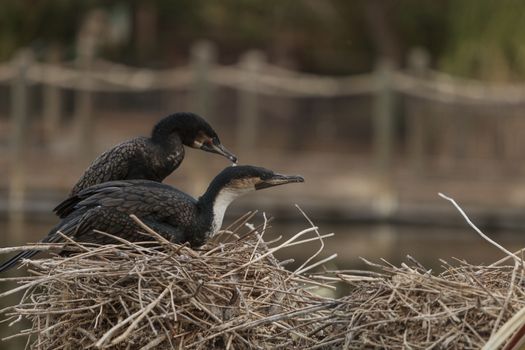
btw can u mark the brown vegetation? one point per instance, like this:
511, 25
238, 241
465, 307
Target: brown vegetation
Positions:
234, 294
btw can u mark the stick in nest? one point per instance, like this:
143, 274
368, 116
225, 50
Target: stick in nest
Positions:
165, 295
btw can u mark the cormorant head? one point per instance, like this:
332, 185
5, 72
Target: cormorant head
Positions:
193, 131
235, 181
244, 178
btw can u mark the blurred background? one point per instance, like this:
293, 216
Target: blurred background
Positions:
379, 104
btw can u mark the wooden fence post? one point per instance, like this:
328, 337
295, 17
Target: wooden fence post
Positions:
251, 62
52, 101
384, 114
384, 132
84, 107
203, 57
418, 63
20, 105
89, 38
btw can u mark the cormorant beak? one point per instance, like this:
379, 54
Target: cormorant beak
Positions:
219, 149
278, 179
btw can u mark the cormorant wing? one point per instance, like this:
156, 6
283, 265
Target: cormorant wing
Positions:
111, 165
109, 209
67, 206
66, 226
171, 233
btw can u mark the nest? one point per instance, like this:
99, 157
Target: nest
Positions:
159, 295
408, 307
233, 294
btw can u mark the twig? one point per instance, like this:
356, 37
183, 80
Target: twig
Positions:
488, 239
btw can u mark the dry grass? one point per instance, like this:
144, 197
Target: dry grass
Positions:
409, 307
232, 294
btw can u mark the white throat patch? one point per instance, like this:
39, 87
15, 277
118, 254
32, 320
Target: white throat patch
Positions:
222, 201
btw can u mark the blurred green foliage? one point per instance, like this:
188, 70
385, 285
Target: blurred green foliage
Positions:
39, 23
486, 40
473, 38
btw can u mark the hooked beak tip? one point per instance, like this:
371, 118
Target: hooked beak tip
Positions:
288, 178
220, 149
299, 178
294, 178
279, 180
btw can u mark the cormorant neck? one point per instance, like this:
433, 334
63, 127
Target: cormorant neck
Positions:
214, 202
166, 134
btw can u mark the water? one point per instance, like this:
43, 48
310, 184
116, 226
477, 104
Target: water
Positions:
394, 242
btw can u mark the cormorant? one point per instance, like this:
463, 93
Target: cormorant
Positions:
172, 213
153, 158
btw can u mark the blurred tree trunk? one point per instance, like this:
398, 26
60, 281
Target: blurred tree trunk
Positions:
383, 33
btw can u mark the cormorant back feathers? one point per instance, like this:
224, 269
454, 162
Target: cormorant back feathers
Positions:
170, 212
127, 180
156, 157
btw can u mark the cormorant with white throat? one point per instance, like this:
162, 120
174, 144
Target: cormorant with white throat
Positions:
173, 214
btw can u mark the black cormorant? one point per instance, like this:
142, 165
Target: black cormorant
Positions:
173, 214
153, 158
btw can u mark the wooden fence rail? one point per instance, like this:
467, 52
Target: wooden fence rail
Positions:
252, 77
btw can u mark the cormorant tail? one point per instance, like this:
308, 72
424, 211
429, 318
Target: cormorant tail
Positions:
66, 228
15, 259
